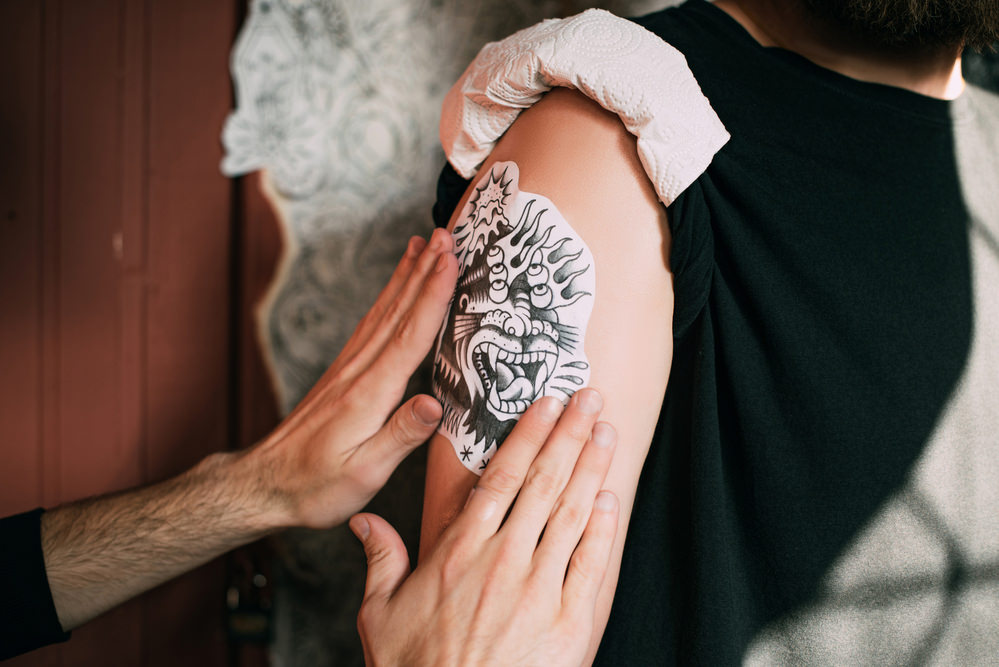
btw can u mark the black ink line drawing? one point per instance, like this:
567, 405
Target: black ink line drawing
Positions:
515, 325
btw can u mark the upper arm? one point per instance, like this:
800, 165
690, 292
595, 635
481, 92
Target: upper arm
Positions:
581, 158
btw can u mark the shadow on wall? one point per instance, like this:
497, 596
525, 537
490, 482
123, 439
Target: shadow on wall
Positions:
982, 69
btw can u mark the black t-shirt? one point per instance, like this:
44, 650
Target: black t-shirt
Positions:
826, 309
27, 616
833, 306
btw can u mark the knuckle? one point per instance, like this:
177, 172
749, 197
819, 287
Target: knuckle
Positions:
579, 430
394, 311
406, 331
586, 565
581, 567
500, 479
543, 482
352, 400
349, 368
400, 430
370, 318
536, 435
569, 515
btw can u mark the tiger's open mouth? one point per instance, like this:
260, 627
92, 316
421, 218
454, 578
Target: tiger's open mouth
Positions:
512, 380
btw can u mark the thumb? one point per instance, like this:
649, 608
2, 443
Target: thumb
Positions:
410, 426
388, 561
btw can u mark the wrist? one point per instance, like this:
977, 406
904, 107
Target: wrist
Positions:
248, 478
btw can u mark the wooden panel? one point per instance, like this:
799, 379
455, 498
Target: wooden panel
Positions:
189, 232
94, 457
116, 239
188, 319
20, 257
50, 223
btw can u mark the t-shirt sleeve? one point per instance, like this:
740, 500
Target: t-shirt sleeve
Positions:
28, 617
627, 70
619, 64
450, 188
691, 258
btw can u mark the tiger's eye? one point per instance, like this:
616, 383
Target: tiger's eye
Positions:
536, 274
495, 256
498, 291
541, 296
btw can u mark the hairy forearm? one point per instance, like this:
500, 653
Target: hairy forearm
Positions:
102, 551
321, 465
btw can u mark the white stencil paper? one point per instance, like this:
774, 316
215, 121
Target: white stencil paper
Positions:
514, 330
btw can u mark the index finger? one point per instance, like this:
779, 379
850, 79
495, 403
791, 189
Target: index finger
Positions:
405, 303
499, 485
408, 340
504, 478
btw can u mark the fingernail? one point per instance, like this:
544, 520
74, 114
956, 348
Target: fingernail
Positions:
427, 412
360, 527
605, 501
603, 435
437, 239
589, 401
441, 263
549, 408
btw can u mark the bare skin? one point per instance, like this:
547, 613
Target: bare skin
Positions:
519, 590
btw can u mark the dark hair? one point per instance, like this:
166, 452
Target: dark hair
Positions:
972, 23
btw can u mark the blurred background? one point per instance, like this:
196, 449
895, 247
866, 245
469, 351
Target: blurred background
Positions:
198, 201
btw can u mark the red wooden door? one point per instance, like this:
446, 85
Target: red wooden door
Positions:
127, 263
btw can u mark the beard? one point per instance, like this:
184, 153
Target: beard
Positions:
910, 23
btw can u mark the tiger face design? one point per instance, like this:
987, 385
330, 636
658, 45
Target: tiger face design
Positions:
514, 329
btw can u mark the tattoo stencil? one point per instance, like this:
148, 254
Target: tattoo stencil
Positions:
514, 329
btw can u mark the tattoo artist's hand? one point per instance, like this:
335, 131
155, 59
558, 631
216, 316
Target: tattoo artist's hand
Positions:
339, 446
491, 593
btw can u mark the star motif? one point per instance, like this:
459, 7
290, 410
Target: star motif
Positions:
465, 454
485, 462
492, 198
486, 212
